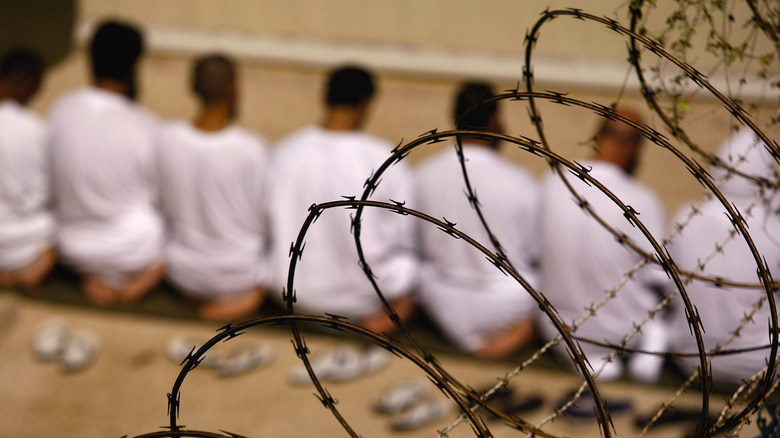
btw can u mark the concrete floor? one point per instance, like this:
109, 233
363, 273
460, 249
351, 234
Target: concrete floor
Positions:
124, 391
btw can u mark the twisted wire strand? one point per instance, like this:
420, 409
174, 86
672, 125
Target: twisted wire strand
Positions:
500, 262
514, 95
230, 331
469, 401
746, 420
674, 127
296, 251
602, 414
621, 346
701, 266
300, 344
731, 105
298, 340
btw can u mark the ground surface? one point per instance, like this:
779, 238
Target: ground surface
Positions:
125, 391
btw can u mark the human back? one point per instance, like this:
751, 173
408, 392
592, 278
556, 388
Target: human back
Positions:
709, 245
477, 306
326, 163
26, 222
600, 280
316, 166
105, 175
211, 174
211, 193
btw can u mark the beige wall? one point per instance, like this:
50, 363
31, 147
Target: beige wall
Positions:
498, 25
495, 26
279, 98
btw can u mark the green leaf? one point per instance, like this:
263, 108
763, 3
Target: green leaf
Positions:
684, 106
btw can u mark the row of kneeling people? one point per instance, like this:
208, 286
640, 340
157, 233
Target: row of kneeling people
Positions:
209, 206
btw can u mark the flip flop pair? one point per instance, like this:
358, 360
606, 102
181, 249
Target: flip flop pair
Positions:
242, 360
410, 405
75, 350
342, 364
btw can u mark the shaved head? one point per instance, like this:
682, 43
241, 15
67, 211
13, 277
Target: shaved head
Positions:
618, 142
214, 78
623, 133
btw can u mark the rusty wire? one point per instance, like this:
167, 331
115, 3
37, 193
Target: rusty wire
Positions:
466, 398
698, 172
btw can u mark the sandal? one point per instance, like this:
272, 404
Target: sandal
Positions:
401, 396
50, 340
342, 364
179, 349
80, 352
246, 359
419, 415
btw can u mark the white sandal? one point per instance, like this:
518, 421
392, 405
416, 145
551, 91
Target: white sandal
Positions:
179, 348
50, 340
80, 352
342, 364
420, 415
245, 359
400, 396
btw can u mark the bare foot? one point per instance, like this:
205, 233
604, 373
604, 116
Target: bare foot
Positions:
381, 323
99, 293
235, 307
378, 323
32, 276
141, 283
507, 342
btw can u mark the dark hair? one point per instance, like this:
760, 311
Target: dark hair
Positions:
115, 48
21, 63
349, 86
469, 96
212, 77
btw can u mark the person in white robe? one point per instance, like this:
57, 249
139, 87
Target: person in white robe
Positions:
324, 163
27, 252
110, 229
582, 262
477, 306
211, 174
709, 240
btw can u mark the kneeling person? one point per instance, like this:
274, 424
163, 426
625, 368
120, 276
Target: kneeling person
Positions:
211, 174
26, 223
479, 308
109, 228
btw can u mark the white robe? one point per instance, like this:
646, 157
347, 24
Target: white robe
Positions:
105, 184
315, 165
211, 191
581, 261
26, 223
467, 296
722, 309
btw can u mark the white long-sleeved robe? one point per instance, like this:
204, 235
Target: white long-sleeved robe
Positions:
722, 309
315, 165
105, 184
581, 261
26, 221
467, 296
211, 191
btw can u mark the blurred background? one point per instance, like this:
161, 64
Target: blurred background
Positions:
420, 50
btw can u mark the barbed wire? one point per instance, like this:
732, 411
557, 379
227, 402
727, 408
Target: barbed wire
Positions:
467, 399
737, 112
317, 210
